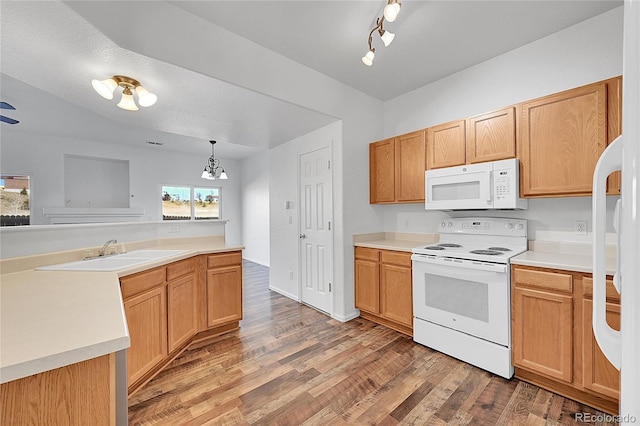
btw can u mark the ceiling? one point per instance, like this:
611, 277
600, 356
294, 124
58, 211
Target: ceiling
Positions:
51, 50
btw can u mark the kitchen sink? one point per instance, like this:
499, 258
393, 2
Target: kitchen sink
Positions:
113, 263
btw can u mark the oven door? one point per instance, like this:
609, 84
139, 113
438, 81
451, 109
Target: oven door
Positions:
462, 187
464, 295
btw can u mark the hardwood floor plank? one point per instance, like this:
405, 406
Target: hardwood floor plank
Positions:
289, 364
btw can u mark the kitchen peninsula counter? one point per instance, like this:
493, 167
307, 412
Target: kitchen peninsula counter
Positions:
50, 319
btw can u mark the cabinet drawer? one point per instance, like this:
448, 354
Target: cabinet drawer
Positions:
143, 281
544, 280
396, 258
612, 293
368, 254
178, 269
224, 259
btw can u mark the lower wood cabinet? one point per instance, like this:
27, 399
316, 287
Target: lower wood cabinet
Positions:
147, 321
170, 306
181, 311
553, 342
77, 394
383, 287
224, 288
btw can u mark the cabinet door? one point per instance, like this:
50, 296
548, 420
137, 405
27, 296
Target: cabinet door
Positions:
491, 136
367, 277
182, 314
224, 295
614, 125
396, 301
382, 172
542, 332
446, 145
147, 321
409, 167
598, 373
562, 137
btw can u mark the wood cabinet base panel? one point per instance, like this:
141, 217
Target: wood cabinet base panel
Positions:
214, 332
77, 394
390, 324
597, 401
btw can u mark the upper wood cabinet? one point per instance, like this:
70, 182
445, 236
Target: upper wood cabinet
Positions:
396, 169
562, 136
491, 136
614, 125
446, 145
382, 177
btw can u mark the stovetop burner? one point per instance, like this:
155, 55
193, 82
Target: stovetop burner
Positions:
494, 240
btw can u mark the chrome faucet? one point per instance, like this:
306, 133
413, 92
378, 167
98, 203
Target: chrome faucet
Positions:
104, 247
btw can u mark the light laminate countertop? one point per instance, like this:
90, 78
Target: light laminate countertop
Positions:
49, 319
393, 240
575, 257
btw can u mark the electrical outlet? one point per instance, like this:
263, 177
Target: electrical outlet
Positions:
173, 229
580, 227
290, 275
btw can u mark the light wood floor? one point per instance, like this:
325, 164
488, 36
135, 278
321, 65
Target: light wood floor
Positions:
291, 365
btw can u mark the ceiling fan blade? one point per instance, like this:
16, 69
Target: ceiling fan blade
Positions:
4, 105
8, 120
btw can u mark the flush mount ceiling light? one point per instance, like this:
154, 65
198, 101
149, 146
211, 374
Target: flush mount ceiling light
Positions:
105, 88
390, 13
213, 170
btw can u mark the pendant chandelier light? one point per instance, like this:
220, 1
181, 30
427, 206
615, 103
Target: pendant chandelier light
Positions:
213, 170
390, 13
105, 88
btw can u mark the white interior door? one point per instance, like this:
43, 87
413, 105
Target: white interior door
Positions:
316, 206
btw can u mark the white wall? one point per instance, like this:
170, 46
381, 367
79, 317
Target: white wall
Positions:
283, 186
41, 157
585, 53
255, 208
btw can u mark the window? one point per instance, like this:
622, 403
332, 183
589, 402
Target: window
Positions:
190, 203
15, 193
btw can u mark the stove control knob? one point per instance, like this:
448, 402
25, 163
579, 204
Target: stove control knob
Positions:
519, 226
508, 225
450, 224
443, 224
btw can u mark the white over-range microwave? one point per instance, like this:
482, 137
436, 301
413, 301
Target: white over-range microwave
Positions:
490, 185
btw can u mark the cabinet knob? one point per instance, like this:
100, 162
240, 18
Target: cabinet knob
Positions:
302, 236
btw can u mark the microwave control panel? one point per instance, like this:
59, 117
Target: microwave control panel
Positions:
503, 184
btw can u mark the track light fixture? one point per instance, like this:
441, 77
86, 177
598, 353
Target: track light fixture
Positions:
213, 170
105, 88
391, 10
390, 13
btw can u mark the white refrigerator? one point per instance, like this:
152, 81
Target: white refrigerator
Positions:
622, 348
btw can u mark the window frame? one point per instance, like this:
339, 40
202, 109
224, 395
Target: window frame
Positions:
192, 188
29, 177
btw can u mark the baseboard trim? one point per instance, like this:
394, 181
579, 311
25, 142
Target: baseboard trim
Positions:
285, 293
348, 317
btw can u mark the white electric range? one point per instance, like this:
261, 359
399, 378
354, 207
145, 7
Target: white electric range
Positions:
462, 290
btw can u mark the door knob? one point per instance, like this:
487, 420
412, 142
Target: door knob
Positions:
302, 236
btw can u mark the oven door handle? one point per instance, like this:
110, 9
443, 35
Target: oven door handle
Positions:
460, 263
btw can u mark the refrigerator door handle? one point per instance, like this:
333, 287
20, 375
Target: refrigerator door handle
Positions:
608, 339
